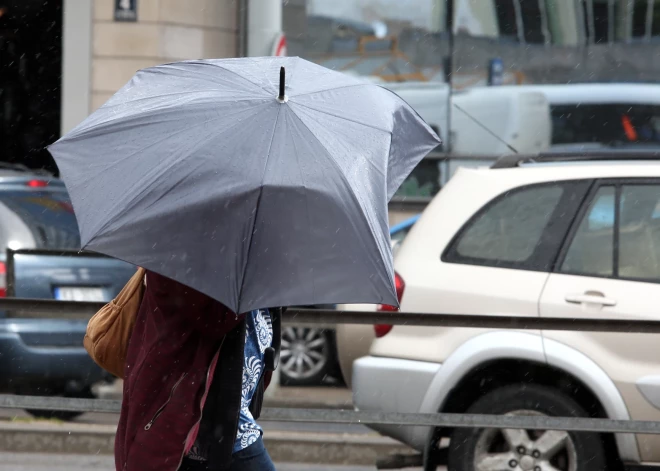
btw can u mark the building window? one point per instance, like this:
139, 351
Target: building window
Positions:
599, 20
645, 18
533, 21
507, 19
522, 20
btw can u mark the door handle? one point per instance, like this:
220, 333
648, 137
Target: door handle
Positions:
590, 297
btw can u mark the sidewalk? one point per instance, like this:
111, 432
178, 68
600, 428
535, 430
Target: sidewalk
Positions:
313, 397
283, 446
332, 444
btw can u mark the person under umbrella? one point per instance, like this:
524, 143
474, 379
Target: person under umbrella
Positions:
183, 339
236, 195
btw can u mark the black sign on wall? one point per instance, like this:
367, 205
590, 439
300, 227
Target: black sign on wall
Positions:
125, 10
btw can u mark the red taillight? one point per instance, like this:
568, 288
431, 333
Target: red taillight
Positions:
37, 183
3, 280
382, 330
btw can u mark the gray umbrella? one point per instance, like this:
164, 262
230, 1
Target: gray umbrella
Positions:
203, 172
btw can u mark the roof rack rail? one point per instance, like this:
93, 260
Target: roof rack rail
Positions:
604, 155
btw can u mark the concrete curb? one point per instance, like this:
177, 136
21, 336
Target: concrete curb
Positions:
291, 447
332, 449
303, 403
57, 438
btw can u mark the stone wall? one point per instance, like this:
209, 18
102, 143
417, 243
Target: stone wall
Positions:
166, 30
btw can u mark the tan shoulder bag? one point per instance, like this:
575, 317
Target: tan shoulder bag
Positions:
109, 330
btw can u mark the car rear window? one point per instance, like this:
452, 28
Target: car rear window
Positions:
47, 215
511, 228
521, 229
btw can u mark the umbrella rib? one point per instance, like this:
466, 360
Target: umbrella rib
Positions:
344, 118
157, 173
256, 212
149, 112
241, 76
180, 131
309, 219
276, 87
169, 106
388, 133
135, 100
331, 89
350, 188
220, 67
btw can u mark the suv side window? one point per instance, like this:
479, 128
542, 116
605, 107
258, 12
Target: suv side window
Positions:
592, 249
639, 232
619, 235
521, 229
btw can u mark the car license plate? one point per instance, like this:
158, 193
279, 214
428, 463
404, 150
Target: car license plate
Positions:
65, 293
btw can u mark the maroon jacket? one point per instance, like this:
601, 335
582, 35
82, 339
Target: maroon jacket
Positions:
178, 334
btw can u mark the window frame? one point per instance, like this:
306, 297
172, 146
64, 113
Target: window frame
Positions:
618, 184
544, 256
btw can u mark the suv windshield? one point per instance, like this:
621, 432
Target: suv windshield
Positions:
45, 215
606, 124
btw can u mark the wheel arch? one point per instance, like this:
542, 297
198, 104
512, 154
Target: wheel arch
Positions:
505, 349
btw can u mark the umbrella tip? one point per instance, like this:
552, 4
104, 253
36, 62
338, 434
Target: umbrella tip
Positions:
282, 98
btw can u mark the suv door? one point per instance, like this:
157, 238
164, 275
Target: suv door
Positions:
499, 261
609, 267
507, 249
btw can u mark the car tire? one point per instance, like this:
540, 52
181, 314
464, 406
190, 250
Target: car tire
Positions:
307, 356
563, 450
62, 415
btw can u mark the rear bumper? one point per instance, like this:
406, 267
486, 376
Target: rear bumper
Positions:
31, 369
393, 385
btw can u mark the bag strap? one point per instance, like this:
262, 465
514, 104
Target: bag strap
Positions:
272, 353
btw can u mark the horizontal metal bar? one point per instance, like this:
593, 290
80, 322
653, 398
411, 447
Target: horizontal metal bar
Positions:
10, 401
532, 422
312, 316
47, 308
527, 422
56, 253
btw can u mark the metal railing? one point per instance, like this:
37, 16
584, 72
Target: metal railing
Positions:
367, 417
35, 308
47, 308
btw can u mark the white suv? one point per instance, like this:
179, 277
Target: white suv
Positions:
567, 236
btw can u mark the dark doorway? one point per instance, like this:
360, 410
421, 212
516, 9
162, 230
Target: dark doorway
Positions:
30, 80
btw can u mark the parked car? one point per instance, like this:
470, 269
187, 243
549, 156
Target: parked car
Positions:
354, 340
398, 232
308, 356
628, 114
46, 356
574, 236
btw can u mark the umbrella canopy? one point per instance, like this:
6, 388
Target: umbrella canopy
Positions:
203, 172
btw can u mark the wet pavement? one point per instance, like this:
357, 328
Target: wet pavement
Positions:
49, 462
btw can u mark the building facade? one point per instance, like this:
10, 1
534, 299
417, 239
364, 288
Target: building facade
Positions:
62, 59
100, 53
